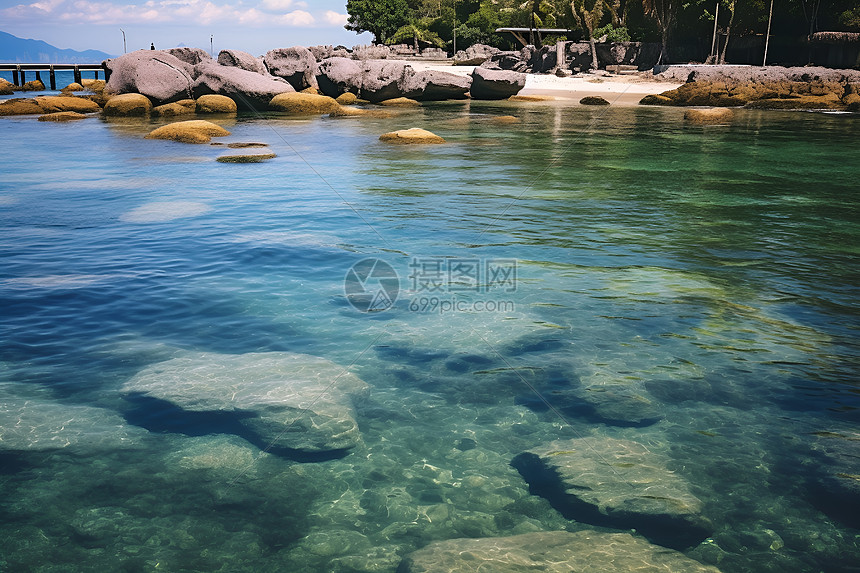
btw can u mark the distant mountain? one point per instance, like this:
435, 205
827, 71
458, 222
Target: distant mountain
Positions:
18, 50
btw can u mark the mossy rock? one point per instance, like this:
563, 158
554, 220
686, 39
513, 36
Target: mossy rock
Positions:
593, 100
214, 103
93, 84
656, 99
347, 98
303, 103
414, 135
310, 90
244, 145
194, 131
6, 87
505, 119
532, 98
62, 116
128, 105
173, 109
400, 102
246, 158
51, 104
20, 106
73, 87
32, 86
710, 116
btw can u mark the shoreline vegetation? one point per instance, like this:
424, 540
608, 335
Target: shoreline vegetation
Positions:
323, 80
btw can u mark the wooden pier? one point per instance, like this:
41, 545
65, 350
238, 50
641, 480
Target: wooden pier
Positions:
19, 71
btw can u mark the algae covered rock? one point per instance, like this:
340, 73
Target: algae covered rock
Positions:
400, 102
173, 109
246, 158
6, 87
347, 98
62, 116
214, 103
593, 100
128, 105
303, 103
20, 106
712, 115
32, 86
616, 483
73, 87
285, 400
413, 135
51, 104
193, 131
550, 552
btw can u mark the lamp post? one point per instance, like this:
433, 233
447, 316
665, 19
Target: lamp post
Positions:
211, 45
455, 28
124, 50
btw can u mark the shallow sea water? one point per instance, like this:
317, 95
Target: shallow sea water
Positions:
709, 272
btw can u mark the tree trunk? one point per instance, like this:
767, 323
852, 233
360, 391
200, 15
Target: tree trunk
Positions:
728, 33
593, 51
664, 48
415, 37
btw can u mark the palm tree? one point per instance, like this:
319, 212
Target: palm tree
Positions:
589, 13
664, 11
415, 32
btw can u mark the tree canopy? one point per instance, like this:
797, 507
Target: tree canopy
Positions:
684, 28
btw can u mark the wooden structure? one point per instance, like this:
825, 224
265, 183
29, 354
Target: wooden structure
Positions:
518, 33
19, 71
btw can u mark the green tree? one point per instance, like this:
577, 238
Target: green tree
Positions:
382, 18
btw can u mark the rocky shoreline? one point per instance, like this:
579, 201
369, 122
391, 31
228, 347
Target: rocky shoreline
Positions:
760, 88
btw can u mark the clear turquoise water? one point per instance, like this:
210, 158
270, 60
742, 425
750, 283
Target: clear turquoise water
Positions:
711, 271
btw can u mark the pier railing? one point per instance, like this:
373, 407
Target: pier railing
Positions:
19, 71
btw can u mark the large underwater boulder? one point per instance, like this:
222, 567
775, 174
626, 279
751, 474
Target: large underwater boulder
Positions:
284, 400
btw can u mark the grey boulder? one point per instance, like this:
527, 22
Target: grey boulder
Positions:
496, 84
241, 60
337, 76
373, 80
283, 400
249, 90
160, 76
550, 552
191, 56
297, 65
616, 483
433, 85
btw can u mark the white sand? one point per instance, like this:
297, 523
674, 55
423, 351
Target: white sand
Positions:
617, 89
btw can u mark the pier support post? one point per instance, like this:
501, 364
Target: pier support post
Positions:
97, 74
15, 77
39, 77
77, 73
53, 78
23, 78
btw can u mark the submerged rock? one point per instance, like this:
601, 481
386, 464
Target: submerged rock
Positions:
550, 552
293, 401
37, 425
616, 483
414, 135
496, 84
61, 116
400, 102
708, 116
182, 107
246, 158
193, 131
620, 404
837, 481
128, 105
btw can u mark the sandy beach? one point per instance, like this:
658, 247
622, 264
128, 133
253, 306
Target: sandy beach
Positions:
616, 89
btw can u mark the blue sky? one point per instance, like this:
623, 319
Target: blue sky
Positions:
254, 26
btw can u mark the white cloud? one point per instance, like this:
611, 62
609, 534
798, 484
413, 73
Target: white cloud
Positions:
267, 13
333, 18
